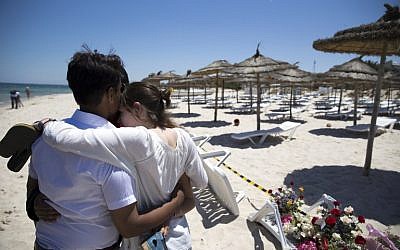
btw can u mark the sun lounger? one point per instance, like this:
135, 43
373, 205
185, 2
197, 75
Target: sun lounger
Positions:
200, 140
381, 122
218, 181
269, 217
283, 114
251, 135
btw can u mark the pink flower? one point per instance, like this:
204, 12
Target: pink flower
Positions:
307, 245
286, 218
361, 219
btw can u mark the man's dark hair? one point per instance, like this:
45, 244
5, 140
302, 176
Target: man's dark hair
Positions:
91, 74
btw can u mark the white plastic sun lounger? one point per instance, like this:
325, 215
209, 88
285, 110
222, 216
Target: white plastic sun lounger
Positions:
283, 127
381, 122
218, 181
269, 217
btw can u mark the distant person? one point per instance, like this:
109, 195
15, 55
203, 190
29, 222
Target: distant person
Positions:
13, 98
28, 92
18, 99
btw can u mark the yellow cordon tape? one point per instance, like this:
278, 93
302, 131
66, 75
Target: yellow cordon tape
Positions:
244, 177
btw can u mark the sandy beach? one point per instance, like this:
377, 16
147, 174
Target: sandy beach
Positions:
321, 159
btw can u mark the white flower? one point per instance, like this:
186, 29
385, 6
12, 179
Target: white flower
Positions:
346, 220
287, 228
348, 210
336, 236
320, 209
354, 233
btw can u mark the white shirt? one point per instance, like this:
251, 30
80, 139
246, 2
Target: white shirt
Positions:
156, 166
82, 190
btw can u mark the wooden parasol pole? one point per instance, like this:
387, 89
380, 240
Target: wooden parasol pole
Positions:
372, 128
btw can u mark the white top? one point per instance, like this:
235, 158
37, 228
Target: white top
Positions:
81, 191
156, 166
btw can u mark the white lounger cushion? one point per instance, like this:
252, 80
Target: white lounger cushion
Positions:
381, 122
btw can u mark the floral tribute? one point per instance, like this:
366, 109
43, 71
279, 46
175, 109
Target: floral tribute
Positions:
326, 229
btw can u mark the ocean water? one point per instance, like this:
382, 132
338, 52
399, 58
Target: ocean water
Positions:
36, 90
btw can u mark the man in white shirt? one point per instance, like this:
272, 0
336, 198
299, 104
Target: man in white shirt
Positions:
96, 204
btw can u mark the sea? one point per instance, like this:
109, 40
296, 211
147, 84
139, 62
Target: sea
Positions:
35, 89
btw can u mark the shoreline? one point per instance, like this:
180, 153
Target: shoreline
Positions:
321, 159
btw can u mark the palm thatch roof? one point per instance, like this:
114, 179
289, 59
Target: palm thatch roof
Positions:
214, 67
354, 70
293, 75
379, 38
259, 64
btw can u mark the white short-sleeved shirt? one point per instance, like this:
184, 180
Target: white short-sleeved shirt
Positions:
156, 166
82, 190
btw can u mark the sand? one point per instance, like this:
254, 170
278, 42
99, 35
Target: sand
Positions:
321, 159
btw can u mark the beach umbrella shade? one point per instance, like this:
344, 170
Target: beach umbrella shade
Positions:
381, 38
256, 65
215, 69
354, 71
292, 76
191, 80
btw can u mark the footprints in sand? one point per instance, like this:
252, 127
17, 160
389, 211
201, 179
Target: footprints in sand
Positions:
6, 216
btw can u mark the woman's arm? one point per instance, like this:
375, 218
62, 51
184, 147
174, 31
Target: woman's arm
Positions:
120, 147
130, 223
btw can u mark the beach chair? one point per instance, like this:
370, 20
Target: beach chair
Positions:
219, 182
269, 217
381, 122
200, 140
251, 135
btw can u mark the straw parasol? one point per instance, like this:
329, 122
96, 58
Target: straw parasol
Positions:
292, 76
215, 68
255, 65
354, 71
190, 80
381, 38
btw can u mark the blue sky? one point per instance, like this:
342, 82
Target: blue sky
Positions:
38, 37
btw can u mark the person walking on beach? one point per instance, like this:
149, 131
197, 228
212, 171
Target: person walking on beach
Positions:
155, 148
28, 92
18, 99
13, 99
97, 201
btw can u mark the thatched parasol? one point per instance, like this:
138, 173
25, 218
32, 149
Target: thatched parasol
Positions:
214, 68
191, 80
381, 38
160, 76
292, 76
255, 65
354, 71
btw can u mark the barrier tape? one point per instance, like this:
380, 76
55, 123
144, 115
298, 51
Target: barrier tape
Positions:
244, 177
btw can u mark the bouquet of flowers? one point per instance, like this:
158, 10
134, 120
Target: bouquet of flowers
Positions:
287, 200
338, 229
